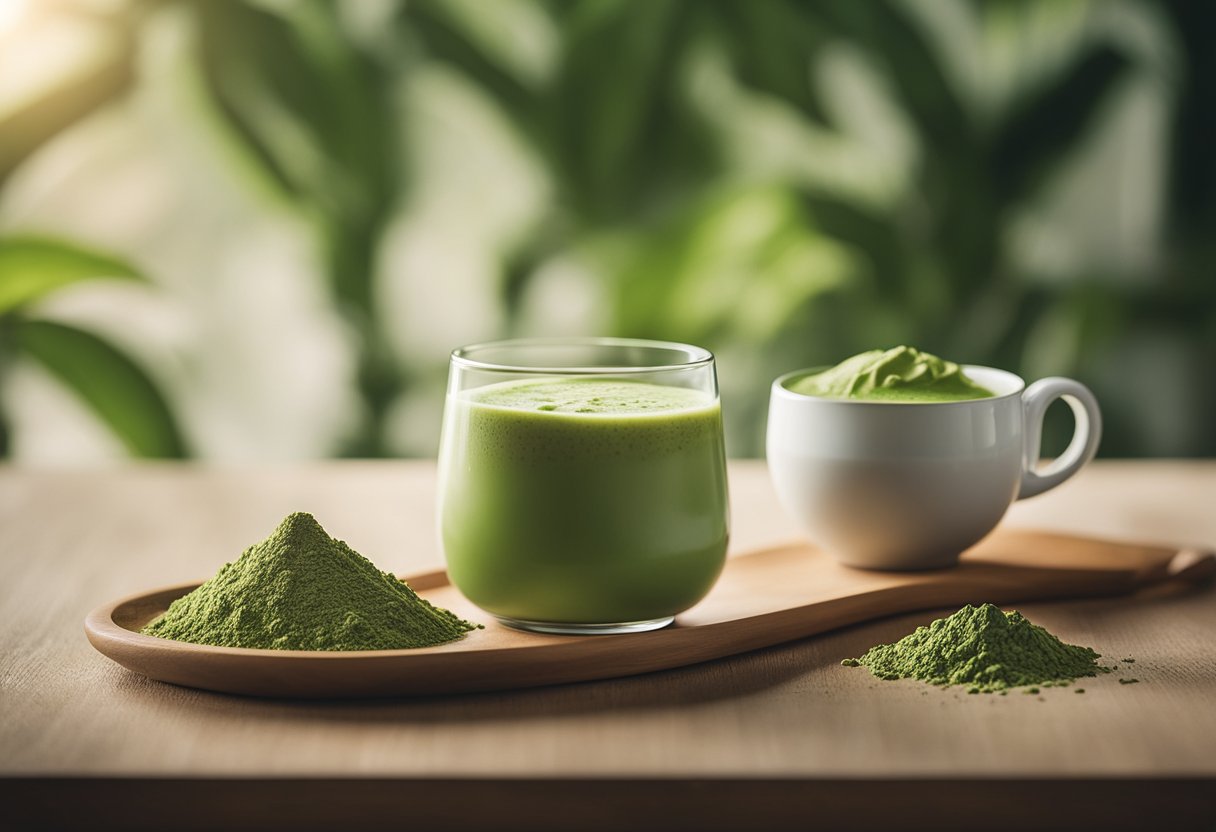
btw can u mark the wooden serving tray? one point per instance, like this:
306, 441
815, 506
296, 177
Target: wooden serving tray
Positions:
763, 598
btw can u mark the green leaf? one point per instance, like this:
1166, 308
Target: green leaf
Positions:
448, 34
771, 45
616, 106
114, 387
872, 234
259, 79
1041, 130
33, 267
741, 266
894, 41
315, 111
1191, 192
307, 103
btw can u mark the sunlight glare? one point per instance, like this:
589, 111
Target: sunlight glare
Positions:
11, 12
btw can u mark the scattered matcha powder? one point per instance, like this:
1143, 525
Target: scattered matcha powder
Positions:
301, 589
985, 649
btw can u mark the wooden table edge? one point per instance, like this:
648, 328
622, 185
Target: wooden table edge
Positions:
37, 802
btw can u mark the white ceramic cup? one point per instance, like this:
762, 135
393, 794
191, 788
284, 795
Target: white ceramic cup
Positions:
895, 485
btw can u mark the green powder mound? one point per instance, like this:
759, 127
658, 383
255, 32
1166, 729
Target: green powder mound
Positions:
983, 648
301, 589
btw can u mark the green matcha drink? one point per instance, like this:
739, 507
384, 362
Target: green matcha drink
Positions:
583, 500
901, 374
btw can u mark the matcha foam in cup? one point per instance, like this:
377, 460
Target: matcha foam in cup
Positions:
900, 374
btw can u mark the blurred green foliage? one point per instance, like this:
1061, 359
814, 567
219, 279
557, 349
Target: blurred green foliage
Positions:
114, 386
315, 111
774, 267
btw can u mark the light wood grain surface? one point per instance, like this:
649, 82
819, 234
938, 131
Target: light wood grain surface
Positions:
71, 540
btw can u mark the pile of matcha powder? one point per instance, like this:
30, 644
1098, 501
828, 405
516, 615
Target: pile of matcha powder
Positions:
985, 649
301, 589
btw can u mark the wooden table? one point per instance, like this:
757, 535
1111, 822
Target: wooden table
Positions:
783, 737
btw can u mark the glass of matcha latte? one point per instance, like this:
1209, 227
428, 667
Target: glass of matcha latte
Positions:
583, 482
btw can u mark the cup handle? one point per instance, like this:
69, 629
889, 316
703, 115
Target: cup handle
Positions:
1085, 437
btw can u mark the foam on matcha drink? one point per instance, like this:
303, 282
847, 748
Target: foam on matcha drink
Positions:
583, 500
901, 374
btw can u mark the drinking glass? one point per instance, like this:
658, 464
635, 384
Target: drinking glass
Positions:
583, 481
